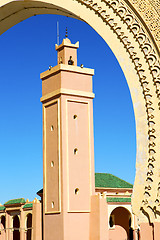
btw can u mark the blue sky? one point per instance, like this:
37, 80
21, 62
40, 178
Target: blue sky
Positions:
28, 49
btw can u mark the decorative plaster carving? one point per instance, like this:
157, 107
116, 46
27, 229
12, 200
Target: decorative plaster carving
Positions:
150, 202
150, 12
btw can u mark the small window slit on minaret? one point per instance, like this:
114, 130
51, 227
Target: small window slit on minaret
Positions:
52, 128
70, 61
75, 151
52, 164
76, 191
75, 116
60, 61
52, 204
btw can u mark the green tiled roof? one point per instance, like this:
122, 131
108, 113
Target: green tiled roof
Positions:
28, 205
106, 180
15, 201
117, 199
2, 208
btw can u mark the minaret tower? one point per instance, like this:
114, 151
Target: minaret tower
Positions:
68, 152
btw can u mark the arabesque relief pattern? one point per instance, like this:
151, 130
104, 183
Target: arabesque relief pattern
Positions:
150, 205
150, 11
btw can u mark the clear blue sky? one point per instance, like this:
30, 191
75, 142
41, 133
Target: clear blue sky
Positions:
26, 50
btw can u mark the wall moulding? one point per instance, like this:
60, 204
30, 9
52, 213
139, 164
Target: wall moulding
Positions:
134, 27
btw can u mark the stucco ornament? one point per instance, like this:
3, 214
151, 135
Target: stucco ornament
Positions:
135, 28
150, 202
150, 12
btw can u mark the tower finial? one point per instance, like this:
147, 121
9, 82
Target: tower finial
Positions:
66, 32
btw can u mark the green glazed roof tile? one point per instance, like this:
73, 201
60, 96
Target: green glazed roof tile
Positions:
106, 180
117, 199
28, 205
15, 201
2, 208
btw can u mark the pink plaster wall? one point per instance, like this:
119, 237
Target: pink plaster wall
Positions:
146, 232
156, 231
118, 233
98, 218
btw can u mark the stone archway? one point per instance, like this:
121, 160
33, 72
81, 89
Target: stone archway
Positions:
131, 29
120, 228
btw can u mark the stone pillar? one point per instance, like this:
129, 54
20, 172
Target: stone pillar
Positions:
9, 226
36, 220
25, 235
10, 234
6, 226
99, 218
22, 224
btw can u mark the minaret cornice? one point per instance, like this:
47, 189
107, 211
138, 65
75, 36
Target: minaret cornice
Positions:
69, 68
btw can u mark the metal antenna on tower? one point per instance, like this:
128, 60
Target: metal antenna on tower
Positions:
57, 32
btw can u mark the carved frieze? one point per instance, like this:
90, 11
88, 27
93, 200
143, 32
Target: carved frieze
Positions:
150, 11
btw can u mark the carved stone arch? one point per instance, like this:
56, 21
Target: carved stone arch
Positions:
12, 218
133, 34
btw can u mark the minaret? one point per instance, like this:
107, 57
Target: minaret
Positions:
68, 152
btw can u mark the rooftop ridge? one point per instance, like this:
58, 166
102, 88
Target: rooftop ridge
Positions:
28, 205
121, 181
116, 177
2, 207
15, 201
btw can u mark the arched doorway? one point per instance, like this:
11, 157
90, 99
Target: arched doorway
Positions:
16, 228
120, 224
29, 226
135, 45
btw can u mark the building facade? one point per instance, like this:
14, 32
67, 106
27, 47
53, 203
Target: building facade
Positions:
75, 203
22, 220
